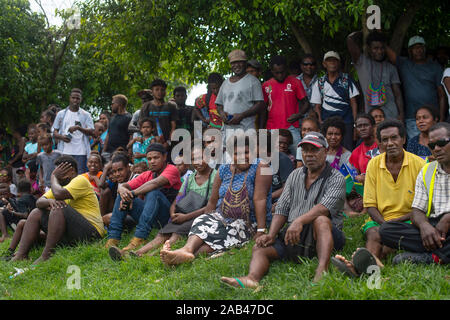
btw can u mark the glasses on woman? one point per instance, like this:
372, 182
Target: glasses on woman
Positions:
441, 143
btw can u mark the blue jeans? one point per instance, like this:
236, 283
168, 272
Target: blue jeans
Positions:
81, 162
296, 138
154, 210
411, 128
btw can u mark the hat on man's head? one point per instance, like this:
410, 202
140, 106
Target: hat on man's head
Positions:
255, 64
237, 55
331, 54
315, 138
156, 147
416, 40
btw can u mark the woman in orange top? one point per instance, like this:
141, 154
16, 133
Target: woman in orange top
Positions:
95, 165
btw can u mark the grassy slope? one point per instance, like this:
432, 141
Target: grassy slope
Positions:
148, 278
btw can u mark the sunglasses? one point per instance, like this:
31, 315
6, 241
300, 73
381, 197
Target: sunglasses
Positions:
441, 143
308, 64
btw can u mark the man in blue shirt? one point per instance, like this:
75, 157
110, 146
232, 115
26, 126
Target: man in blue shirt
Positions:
421, 80
334, 94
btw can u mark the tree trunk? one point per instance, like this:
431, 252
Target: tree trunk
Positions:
301, 39
402, 26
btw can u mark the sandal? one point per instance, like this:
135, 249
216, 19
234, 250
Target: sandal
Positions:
362, 260
115, 253
342, 267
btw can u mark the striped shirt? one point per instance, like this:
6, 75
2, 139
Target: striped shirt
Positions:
440, 203
296, 200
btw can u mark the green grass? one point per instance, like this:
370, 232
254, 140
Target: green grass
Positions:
148, 278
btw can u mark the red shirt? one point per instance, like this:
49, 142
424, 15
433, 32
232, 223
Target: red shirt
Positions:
282, 101
359, 158
170, 190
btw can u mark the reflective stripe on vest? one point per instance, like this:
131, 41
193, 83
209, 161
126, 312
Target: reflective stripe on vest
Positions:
429, 174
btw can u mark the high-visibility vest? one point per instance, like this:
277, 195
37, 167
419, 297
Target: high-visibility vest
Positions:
429, 175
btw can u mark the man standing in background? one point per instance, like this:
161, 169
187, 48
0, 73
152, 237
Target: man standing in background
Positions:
72, 127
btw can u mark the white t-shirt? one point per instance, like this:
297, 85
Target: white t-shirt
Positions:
334, 102
76, 145
445, 75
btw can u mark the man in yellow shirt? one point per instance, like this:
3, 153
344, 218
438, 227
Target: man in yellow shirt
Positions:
388, 190
68, 213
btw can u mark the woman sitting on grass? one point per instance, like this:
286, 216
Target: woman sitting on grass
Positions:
426, 117
334, 131
200, 182
239, 208
95, 166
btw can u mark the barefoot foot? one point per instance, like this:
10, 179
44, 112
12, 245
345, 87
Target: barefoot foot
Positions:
175, 257
245, 282
344, 265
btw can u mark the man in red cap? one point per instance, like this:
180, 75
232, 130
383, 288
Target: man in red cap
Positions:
311, 204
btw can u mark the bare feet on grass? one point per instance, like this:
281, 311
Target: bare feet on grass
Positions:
246, 281
320, 271
41, 259
19, 258
175, 257
3, 238
349, 264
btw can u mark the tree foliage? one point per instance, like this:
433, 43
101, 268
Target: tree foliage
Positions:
123, 45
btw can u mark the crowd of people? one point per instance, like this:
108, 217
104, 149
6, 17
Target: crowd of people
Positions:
377, 147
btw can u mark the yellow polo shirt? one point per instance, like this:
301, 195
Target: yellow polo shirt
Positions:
392, 198
84, 201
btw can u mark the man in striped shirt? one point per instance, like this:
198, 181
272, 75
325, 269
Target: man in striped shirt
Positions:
311, 204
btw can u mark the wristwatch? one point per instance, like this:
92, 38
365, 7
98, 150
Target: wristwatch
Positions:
132, 192
263, 230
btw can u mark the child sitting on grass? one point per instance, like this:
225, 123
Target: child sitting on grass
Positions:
95, 166
17, 209
142, 140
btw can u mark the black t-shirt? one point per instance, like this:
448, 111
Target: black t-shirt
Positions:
162, 115
26, 203
118, 132
285, 167
185, 118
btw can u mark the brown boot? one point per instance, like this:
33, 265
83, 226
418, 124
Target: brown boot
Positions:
134, 243
111, 242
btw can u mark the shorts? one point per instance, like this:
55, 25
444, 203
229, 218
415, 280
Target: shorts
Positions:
10, 219
307, 245
373, 224
78, 228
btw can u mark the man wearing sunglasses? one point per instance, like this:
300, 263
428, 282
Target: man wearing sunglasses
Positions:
427, 239
308, 76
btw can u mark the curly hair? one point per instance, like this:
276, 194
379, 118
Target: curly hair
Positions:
335, 122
